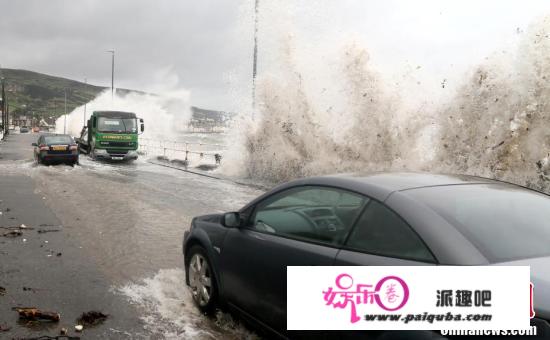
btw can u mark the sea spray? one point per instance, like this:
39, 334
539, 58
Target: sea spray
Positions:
496, 125
499, 123
165, 114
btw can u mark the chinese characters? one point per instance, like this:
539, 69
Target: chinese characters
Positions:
390, 293
464, 298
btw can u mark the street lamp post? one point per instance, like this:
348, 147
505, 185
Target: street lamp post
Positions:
3, 107
85, 82
65, 116
255, 59
112, 72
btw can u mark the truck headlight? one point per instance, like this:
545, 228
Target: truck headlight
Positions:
104, 143
100, 151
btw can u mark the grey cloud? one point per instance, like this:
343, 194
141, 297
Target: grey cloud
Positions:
197, 40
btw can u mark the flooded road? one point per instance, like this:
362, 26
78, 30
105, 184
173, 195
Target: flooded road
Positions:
124, 222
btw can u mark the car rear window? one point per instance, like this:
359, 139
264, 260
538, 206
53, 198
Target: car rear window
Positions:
381, 232
58, 140
504, 222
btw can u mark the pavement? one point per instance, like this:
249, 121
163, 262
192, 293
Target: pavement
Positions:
103, 237
47, 268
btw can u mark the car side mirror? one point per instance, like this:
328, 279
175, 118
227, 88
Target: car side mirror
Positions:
142, 125
34, 144
231, 220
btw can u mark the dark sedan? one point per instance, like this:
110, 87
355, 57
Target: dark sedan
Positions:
56, 149
403, 219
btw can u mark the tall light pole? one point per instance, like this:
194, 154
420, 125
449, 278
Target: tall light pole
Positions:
85, 82
3, 107
65, 119
112, 73
255, 60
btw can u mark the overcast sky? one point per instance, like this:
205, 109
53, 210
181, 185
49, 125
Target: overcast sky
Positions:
205, 46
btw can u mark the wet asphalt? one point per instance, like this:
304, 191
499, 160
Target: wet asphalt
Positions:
103, 237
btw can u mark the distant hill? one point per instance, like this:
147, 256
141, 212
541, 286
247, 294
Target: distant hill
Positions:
43, 94
29, 91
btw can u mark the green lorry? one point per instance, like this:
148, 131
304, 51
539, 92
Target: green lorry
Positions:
111, 135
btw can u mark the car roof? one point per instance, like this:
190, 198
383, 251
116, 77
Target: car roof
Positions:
380, 185
398, 181
57, 135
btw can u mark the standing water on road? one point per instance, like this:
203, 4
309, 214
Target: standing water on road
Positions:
128, 220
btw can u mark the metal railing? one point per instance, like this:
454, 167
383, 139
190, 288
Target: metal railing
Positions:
184, 150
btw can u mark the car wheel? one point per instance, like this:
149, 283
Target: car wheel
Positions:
201, 280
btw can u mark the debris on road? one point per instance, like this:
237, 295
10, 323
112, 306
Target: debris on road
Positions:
34, 290
52, 252
92, 318
42, 231
20, 228
32, 313
2, 291
13, 233
4, 328
78, 328
63, 331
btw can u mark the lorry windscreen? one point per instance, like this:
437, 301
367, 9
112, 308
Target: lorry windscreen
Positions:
118, 125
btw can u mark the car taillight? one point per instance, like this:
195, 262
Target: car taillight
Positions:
43, 147
73, 147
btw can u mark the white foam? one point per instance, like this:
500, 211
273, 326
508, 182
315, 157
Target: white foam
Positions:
165, 114
348, 117
169, 312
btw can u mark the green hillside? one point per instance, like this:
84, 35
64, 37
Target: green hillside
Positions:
29, 92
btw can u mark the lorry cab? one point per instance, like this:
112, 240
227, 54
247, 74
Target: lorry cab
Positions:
111, 135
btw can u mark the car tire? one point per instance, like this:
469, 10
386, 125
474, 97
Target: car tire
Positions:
202, 280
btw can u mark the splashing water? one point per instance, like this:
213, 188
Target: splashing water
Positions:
499, 123
169, 312
496, 125
164, 115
